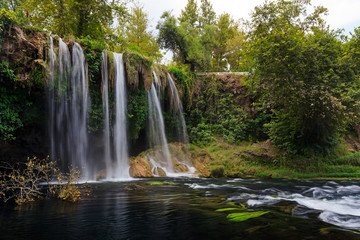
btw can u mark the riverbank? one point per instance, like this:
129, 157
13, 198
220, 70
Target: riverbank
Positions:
262, 160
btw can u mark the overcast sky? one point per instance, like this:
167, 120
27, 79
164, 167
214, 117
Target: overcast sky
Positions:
342, 13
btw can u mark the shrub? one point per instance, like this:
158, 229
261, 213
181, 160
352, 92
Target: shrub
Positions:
22, 182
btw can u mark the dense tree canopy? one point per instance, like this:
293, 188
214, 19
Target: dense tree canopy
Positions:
298, 69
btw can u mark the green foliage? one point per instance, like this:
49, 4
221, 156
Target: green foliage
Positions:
22, 182
201, 40
137, 49
138, 35
297, 69
217, 172
352, 159
137, 111
187, 81
93, 55
8, 17
216, 112
201, 134
74, 17
184, 40
37, 77
6, 74
225, 31
9, 105
226, 209
138, 69
256, 129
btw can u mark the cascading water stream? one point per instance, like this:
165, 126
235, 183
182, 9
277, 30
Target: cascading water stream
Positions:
78, 112
177, 110
51, 96
105, 99
157, 137
68, 108
120, 130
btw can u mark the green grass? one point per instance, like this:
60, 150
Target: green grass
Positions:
236, 162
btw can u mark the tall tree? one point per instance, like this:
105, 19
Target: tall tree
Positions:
225, 30
138, 34
297, 70
190, 13
183, 40
207, 15
235, 52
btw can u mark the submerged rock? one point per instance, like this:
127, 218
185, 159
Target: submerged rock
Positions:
160, 172
179, 167
140, 167
134, 186
243, 216
100, 175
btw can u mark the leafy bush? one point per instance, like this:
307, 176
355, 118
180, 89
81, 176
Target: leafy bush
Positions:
137, 111
9, 110
68, 191
350, 159
21, 182
187, 81
201, 134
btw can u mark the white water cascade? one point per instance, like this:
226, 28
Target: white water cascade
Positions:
157, 137
68, 108
106, 114
121, 169
177, 111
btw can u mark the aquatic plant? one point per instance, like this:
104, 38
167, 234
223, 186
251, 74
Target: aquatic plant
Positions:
243, 216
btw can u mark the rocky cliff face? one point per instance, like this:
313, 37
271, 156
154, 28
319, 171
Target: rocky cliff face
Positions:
25, 52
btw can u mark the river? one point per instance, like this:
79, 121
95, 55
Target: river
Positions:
188, 208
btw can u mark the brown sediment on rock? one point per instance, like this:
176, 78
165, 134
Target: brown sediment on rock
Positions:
201, 161
25, 50
161, 72
138, 67
160, 172
179, 167
140, 168
352, 143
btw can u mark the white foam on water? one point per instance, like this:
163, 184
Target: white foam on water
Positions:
339, 205
215, 186
340, 220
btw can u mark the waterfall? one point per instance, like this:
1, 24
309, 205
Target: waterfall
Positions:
105, 107
68, 108
120, 130
177, 110
51, 96
78, 111
157, 136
